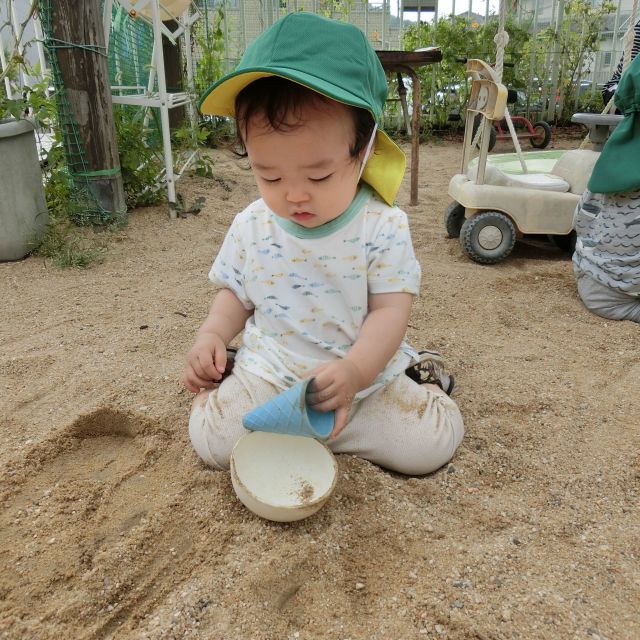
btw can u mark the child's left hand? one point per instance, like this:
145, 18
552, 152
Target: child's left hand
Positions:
334, 387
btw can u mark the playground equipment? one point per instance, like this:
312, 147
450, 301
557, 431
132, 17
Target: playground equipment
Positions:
538, 133
134, 31
492, 207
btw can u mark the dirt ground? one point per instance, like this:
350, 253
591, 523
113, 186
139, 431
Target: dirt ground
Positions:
111, 528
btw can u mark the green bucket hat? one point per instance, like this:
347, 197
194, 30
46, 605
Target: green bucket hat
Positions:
330, 57
618, 168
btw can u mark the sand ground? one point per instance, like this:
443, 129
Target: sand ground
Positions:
111, 527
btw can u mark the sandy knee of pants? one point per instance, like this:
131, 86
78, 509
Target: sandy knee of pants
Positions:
198, 436
215, 427
404, 427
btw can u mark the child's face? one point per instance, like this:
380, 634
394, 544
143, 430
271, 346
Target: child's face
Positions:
305, 173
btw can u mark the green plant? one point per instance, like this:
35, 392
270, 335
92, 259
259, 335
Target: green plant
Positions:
16, 62
209, 40
444, 86
216, 130
330, 8
66, 246
579, 39
561, 56
191, 137
65, 243
589, 102
140, 161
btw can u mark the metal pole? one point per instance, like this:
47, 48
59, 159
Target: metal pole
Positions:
433, 70
545, 80
556, 63
243, 26
366, 19
37, 27
613, 63
19, 46
534, 35
206, 22
164, 107
384, 22
188, 53
151, 81
225, 9
3, 62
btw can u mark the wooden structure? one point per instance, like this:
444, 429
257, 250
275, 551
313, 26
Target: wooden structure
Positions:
79, 47
406, 62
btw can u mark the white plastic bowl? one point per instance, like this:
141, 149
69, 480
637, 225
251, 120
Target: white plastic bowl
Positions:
282, 477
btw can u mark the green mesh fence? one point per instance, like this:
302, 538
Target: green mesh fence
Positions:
86, 208
130, 64
130, 52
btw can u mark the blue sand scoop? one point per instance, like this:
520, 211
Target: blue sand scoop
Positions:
289, 413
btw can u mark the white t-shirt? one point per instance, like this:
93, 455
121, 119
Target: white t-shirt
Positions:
309, 287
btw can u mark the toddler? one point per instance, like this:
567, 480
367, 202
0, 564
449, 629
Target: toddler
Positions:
319, 273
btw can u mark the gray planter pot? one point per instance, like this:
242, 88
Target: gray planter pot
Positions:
23, 208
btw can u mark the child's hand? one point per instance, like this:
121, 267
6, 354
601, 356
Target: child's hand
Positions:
206, 362
335, 385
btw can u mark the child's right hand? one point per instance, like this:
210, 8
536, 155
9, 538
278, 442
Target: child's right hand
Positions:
206, 362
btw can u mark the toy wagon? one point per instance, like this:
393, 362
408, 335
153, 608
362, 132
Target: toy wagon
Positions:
493, 206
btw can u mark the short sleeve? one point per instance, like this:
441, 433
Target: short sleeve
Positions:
392, 264
229, 267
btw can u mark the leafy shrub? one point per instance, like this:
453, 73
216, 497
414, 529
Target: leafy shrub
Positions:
140, 160
444, 86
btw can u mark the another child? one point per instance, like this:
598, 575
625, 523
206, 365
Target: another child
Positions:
320, 273
606, 261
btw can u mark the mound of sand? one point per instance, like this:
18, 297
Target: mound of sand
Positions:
111, 527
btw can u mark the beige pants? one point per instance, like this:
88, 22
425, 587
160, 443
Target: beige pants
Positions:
404, 426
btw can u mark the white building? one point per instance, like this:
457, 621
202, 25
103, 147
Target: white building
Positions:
545, 14
246, 19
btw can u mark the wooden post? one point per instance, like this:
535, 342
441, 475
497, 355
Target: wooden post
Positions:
406, 62
85, 75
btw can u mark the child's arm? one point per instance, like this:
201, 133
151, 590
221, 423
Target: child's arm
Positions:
382, 332
207, 358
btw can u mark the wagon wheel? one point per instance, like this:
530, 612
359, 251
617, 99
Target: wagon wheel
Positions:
453, 219
488, 237
542, 135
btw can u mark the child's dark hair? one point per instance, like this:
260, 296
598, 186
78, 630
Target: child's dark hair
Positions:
276, 99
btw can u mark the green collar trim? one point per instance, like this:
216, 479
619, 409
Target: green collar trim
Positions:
332, 226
